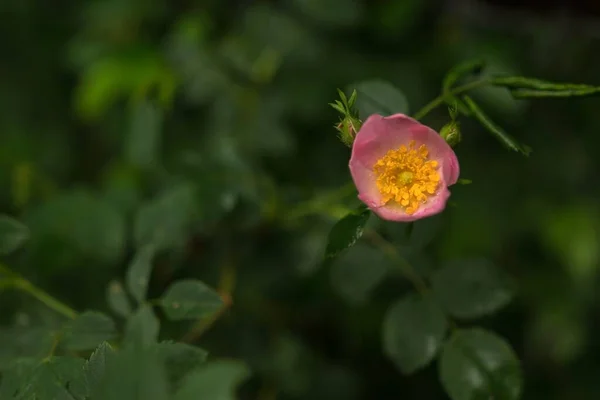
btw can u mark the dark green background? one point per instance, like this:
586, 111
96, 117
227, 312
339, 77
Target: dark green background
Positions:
105, 105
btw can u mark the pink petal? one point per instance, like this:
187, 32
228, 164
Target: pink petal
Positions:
364, 180
435, 205
378, 135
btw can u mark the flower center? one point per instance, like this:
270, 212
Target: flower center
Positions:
407, 177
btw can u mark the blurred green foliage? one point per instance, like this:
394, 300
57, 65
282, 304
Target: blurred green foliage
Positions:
173, 176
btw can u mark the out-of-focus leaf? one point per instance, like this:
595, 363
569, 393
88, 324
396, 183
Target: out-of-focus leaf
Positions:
165, 220
190, 299
291, 364
122, 187
559, 332
87, 331
117, 299
495, 130
414, 237
134, 373
192, 60
110, 79
55, 378
413, 331
396, 18
265, 132
15, 378
95, 367
111, 19
266, 27
476, 364
13, 234
378, 97
308, 251
23, 342
82, 222
358, 271
139, 271
142, 328
572, 233
471, 288
142, 144
346, 232
336, 382
215, 381
180, 359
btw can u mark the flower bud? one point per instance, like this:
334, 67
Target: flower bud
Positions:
347, 129
451, 133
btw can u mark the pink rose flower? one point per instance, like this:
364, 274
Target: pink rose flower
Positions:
401, 168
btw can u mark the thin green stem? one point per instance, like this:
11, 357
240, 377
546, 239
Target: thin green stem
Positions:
406, 268
18, 282
440, 99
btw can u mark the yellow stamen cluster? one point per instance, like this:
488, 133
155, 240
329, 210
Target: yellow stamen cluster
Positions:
406, 176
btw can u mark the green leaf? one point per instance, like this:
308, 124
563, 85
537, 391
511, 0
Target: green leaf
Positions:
142, 328
215, 381
80, 222
190, 299
414, 237
532, 93
134, 373
180, 359
346, 232
338, 107
117, 299
413, 331
471, 67
165, 220
476, 364
358, 271
24, 342
463, 181
138, 273
95, 367
343, 98
16, 378
13, 234
87, 331
495, 130
125, 75
143, 140
55, 378
378, 97
471, 288
520, 82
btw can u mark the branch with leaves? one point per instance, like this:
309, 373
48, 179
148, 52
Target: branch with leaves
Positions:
427, 325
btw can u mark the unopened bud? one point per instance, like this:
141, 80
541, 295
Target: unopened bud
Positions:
451, 133
347, 128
